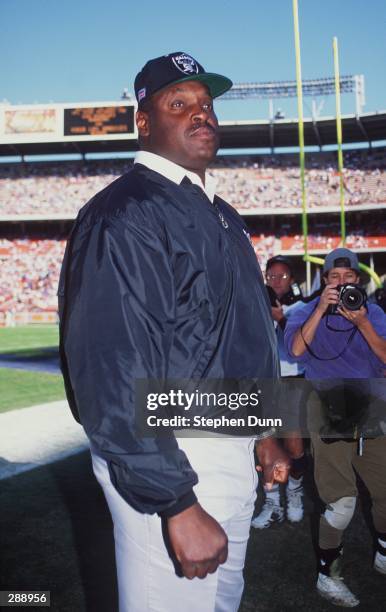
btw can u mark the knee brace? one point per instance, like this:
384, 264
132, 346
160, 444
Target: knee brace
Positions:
339, 513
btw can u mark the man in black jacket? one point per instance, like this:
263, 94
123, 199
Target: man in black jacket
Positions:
160, 281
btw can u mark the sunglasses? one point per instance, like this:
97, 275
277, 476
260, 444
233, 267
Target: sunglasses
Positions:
278, 276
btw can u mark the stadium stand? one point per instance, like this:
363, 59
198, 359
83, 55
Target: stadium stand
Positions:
29, 274
39, 200
321, 243
246, 182
273, 181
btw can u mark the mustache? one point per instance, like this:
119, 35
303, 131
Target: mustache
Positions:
202, 124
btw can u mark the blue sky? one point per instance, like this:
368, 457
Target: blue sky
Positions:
89, 50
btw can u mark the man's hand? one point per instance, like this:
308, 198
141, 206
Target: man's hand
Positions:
198, 541
277, 312
329, 296
274, 462
357, 317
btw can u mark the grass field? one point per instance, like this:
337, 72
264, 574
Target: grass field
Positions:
22, 388
19, 389
28, 337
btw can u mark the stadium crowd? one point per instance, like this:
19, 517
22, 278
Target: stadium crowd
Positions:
29, 268
247, 182
29, 274
273, 181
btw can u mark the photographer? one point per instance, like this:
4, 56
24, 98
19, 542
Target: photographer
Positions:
338, 335
285, 296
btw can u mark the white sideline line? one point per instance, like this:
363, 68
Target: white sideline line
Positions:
38, 435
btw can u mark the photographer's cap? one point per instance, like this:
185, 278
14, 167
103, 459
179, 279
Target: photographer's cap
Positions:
175, 68
280, 259
341, 258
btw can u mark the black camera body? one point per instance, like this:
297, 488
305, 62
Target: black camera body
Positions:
351, 296
293, 295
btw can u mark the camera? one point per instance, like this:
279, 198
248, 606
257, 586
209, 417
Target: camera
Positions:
289, 298
271, 295
351, 296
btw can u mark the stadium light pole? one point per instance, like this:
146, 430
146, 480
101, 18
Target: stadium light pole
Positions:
301, 141
339, 141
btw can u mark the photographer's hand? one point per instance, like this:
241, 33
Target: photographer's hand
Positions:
357, 317
329, 296
277, 312
305, 333
363, 323
273, 462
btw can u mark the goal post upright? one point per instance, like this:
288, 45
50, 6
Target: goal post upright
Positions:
301, 140
339, 141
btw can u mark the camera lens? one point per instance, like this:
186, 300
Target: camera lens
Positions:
352, 298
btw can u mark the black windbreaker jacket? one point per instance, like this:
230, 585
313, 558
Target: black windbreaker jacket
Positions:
154, 286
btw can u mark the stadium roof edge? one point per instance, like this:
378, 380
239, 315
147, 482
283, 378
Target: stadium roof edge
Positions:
254, 134
295, 120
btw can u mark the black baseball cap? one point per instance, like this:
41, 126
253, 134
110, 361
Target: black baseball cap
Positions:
341, 258
279, 259
175, 68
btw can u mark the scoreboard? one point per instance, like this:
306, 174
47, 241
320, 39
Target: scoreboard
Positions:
98, 120
48, 123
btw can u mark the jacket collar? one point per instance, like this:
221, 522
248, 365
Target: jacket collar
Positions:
174, 172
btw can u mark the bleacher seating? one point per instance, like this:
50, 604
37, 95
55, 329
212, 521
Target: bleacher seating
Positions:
29, 274
29, 267
246, 182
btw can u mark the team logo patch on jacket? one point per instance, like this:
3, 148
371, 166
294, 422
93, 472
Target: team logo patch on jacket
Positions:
248, 236
185, 63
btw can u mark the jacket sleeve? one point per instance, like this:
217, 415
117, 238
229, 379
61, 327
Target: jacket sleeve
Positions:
117, 324
378, 321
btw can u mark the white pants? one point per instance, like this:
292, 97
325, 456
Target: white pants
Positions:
147, 581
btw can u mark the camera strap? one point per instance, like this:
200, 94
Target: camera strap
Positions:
336, 329
354, 329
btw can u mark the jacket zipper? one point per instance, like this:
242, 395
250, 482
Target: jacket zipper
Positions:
224, 222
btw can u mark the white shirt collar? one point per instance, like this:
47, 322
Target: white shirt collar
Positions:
174, 172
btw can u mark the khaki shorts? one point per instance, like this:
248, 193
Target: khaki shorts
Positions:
335, 465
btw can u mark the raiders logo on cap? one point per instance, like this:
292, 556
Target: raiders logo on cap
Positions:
185, 63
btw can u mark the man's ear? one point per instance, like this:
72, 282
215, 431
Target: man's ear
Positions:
143, 123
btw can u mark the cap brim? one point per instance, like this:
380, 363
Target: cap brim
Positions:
328, 267
216, 83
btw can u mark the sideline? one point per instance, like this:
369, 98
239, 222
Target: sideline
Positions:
34, 436
31, 366
48, 362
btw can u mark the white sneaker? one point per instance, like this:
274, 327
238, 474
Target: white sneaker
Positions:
295, 511
380, 563
270, 513
335, 590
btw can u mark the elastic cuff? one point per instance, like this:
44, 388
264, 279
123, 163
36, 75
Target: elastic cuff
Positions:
182, 504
